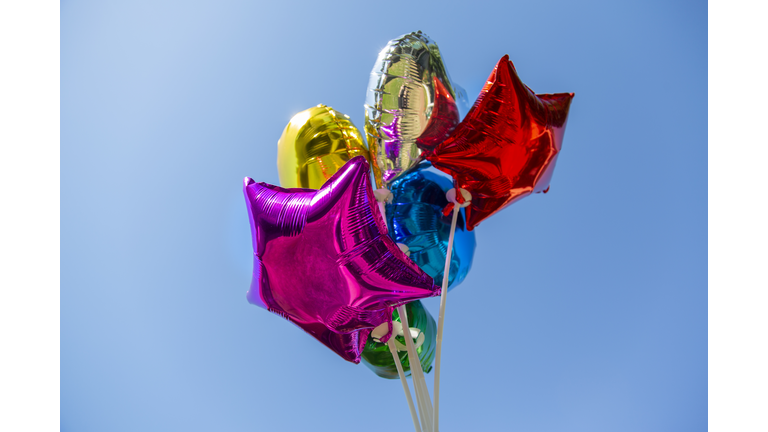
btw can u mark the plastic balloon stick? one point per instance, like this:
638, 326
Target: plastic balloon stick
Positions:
417, 373
393, 350
451, 195
408, 336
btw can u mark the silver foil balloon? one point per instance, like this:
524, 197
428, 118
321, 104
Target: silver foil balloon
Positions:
410, 106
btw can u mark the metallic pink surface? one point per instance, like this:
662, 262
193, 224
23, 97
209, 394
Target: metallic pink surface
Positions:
323, 259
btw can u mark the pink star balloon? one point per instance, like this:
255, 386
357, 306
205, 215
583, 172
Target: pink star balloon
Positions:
322, 259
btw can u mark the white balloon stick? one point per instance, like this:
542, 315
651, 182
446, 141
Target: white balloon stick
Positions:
396, 358
417, 373
451, 196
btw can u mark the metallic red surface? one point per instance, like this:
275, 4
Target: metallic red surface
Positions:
506, 147
322, 259
443, 120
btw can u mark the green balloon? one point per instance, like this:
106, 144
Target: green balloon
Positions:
378, 357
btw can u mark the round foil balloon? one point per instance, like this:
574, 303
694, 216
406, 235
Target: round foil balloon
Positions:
415, 218
316, 143
377, 356
409, 96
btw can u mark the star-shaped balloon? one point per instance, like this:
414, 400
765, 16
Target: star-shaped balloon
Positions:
506, 147
323, 259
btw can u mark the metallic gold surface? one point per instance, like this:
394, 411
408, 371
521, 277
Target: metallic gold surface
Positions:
316, 143
400, 102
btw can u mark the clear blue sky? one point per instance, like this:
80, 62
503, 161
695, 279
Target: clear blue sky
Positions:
585, 310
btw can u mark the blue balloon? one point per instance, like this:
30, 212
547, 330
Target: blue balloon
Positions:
415, 218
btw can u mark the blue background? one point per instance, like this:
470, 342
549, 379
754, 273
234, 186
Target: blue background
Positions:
586, 308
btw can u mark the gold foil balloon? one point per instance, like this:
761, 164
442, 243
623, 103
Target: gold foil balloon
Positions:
408, 86
316, 143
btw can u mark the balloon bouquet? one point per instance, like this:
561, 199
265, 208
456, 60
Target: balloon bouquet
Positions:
348, 263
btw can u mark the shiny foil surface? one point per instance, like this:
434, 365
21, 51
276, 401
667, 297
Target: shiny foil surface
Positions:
378, 357
316, 143
323, 260
442, 121
415, 218
507, 145
408, 86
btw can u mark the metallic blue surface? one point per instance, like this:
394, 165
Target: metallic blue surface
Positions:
415, 218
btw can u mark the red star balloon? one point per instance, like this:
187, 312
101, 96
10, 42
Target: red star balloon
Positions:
506, 147
323, 259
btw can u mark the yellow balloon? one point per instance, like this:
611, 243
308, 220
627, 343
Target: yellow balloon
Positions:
316, 143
